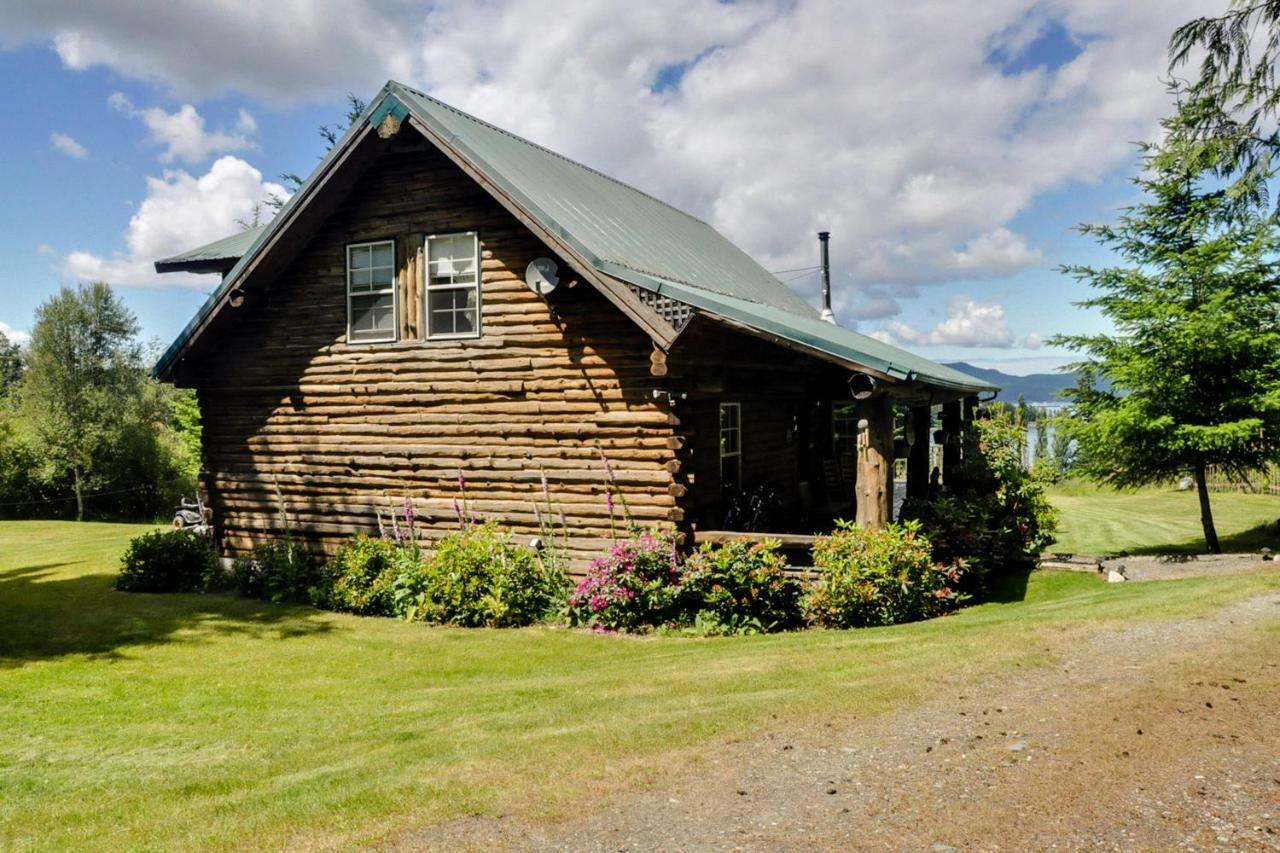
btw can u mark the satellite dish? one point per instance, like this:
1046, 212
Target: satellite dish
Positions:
542, 276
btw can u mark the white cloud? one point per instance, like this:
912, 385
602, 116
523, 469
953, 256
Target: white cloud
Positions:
183, 134
16, 336
46, 250
65, 144
998, 252
968, 323
888, 124
180, 212
1033, 340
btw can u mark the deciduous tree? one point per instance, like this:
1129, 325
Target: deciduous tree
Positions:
83, 383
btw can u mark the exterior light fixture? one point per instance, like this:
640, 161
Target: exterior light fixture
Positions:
861, 386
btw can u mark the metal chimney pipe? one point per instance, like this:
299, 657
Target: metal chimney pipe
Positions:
824, 239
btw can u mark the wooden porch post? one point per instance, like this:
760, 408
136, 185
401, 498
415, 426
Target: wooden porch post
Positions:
874, 490
950, 443
919, 428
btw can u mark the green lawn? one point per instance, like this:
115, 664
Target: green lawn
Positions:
206, 721
1101, 521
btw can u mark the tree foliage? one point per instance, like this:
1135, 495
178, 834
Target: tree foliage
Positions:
1194, 361
89, 420
11, 365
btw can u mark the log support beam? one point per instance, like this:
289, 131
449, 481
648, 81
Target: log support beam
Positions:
919, 428
951, 439
875, 463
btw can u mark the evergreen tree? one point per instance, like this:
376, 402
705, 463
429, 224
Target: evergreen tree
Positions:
1194, 361
1230, 107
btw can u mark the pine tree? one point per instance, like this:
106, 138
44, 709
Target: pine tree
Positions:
1194, 361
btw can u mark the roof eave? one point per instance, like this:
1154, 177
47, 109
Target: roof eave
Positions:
359, 130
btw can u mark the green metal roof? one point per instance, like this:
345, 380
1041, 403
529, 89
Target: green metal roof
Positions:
621, 231
814, 333
227, 249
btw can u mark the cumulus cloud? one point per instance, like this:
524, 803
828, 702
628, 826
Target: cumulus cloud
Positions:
183, 133
180, 212
915, 133
968, 323
66, 145
279, 52
1033, 340
17, 336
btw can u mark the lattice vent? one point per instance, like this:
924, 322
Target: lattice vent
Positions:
675, 312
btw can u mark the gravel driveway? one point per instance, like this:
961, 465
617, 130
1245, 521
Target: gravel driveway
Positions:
1160, 736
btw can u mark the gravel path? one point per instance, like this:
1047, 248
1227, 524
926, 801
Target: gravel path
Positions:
1159, 736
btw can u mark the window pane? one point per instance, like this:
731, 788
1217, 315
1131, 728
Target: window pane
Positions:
731, 475
359, 257
373, 316
728, 416
361, 280
452, 311
362, 313
382, 276
382, 255
451, 260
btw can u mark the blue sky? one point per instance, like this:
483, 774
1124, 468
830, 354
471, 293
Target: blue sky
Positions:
950, 151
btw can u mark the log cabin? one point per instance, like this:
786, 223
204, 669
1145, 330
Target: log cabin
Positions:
446, 310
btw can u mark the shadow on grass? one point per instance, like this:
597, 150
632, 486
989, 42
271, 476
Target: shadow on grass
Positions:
47, 617
1242, 542
1008, 587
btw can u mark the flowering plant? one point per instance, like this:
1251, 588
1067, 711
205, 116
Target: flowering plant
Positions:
633, 587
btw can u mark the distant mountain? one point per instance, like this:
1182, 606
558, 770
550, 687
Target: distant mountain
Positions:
1035, 387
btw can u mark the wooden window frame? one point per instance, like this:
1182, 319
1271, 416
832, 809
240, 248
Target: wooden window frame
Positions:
734, 455
428, 287
394, 289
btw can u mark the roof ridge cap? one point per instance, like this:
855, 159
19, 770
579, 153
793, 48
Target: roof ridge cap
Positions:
547, 150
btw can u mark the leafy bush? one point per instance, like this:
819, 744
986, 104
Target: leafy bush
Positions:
167, 561
279, 570
740, 588
635, 586
878, 577
361, 575
480, 578
999, 519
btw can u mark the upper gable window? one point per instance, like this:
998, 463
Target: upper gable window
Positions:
453, 286
371, 292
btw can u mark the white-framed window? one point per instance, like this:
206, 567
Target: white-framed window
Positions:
452, 303
371, 292
730, 448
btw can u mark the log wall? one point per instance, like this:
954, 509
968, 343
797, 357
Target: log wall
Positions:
335, 432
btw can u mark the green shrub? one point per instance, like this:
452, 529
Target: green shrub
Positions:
740, 588
361, 576
998, 518
167, 561
480, 578
279, 570
878, 577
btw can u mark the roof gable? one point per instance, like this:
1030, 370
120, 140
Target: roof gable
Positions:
620, 234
